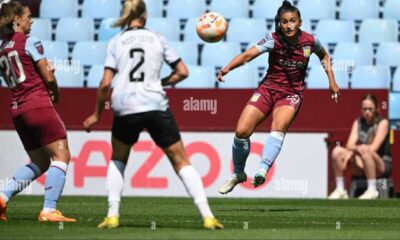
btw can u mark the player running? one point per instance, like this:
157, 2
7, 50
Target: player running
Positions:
34, 88
139, 102
280, 91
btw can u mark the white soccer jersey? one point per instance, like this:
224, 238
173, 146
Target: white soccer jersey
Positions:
137, 55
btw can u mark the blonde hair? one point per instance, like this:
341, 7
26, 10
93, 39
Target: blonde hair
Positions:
132, 10
8, 11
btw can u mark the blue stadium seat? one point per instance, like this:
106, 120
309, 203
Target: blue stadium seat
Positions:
391, 9
55, 51
189, 32
359, 9
305, 26
260, 62
231, 8
266, 9
394, 106
83, 29
101, 9
388, 54
219, 54
58, 8
246, 30
314, 60
357, 53
333, 31
41, 28
378, 30
317, 9
199, 77
154, 8
317, 78
184, 9
243, 77
371, 77
396, 80
89, 53
188, 51
95, 76
168, 27
106, 31
69, 76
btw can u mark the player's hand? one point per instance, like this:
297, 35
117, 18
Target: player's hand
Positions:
334, 89
222, 73
89, 122
50, 66
348, 157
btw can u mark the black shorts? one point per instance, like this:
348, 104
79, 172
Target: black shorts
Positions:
161, 126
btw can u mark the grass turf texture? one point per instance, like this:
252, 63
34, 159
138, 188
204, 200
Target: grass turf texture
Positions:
177, 218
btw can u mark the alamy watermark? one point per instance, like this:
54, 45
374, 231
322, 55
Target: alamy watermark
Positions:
9, 184
291, 185
200, 105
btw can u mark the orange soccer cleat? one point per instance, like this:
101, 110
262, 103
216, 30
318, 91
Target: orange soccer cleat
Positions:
3, 210
55, 216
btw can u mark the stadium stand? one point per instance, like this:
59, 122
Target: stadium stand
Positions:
359, 9
41, 29
357, 53
188, 51
89, 53
231, 8
334, 31
371, 77
106, 31
184, 9
391, 9
219, 54
396, 80
154, 8
394, 106
317, 79
388, 54
317, 9
199, 77
169, 27
58, 9
70, 76
246, 30
56, 50
265, 9
83, 29
245, 77
378, 30
99, 9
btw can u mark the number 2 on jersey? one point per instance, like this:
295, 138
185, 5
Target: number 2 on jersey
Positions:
133, 74
11, 75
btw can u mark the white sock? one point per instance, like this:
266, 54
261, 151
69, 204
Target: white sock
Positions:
194, 187
340, 183
372, 184
48, 210
115, 184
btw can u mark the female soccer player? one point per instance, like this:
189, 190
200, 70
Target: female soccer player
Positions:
367, 151
34, 88
280, 91
139, 102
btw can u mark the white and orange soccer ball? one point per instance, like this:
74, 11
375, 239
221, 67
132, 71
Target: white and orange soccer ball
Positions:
211, 27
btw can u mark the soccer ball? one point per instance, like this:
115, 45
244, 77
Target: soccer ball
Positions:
211, 27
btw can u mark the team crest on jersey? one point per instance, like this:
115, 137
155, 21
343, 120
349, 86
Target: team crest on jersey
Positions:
39, 47
307, 51
255, 97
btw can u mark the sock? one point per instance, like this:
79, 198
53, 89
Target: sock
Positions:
54, 186
340, 183
371, 184
271, 149
115, 184
240, 152
22, 178
194, 187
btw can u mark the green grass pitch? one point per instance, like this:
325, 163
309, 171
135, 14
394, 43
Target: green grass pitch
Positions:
177, 218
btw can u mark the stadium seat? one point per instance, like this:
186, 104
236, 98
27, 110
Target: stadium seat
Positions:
199, 77
219, 54
334, 31
388, 54
317, 9
246, 30
106, 31
396, 80
58, 8
260, 62
305, 26
70, 76
394, 106
378, 30
89, 53
359, 9
317, 78
83, 29
184, 9
314, 60
168, 27
188, 51
371, 77
243, 77
231, 8
41, 28
266, 9
55, 51
101, 9
353, 54
154, 8
391, 9
189, 32
95, 76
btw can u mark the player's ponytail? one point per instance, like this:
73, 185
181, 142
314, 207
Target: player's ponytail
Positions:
7, 13
132, 10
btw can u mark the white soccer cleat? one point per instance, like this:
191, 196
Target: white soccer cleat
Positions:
369, 194
339, 194
235, 179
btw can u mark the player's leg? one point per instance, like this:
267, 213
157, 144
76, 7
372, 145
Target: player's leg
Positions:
340, 158
373, 167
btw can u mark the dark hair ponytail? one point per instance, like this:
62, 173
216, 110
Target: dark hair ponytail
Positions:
285, 7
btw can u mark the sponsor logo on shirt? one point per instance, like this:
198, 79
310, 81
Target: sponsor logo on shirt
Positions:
307, 51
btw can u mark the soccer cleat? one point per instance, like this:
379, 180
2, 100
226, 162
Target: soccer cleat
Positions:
259, 178
212, 223
55, 216
369, 194
3, 210
232, 182
109, 222
338, 194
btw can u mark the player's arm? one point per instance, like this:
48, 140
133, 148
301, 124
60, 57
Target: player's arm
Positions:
381, 133
179, 73
353, 138
327, 65
46, 72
